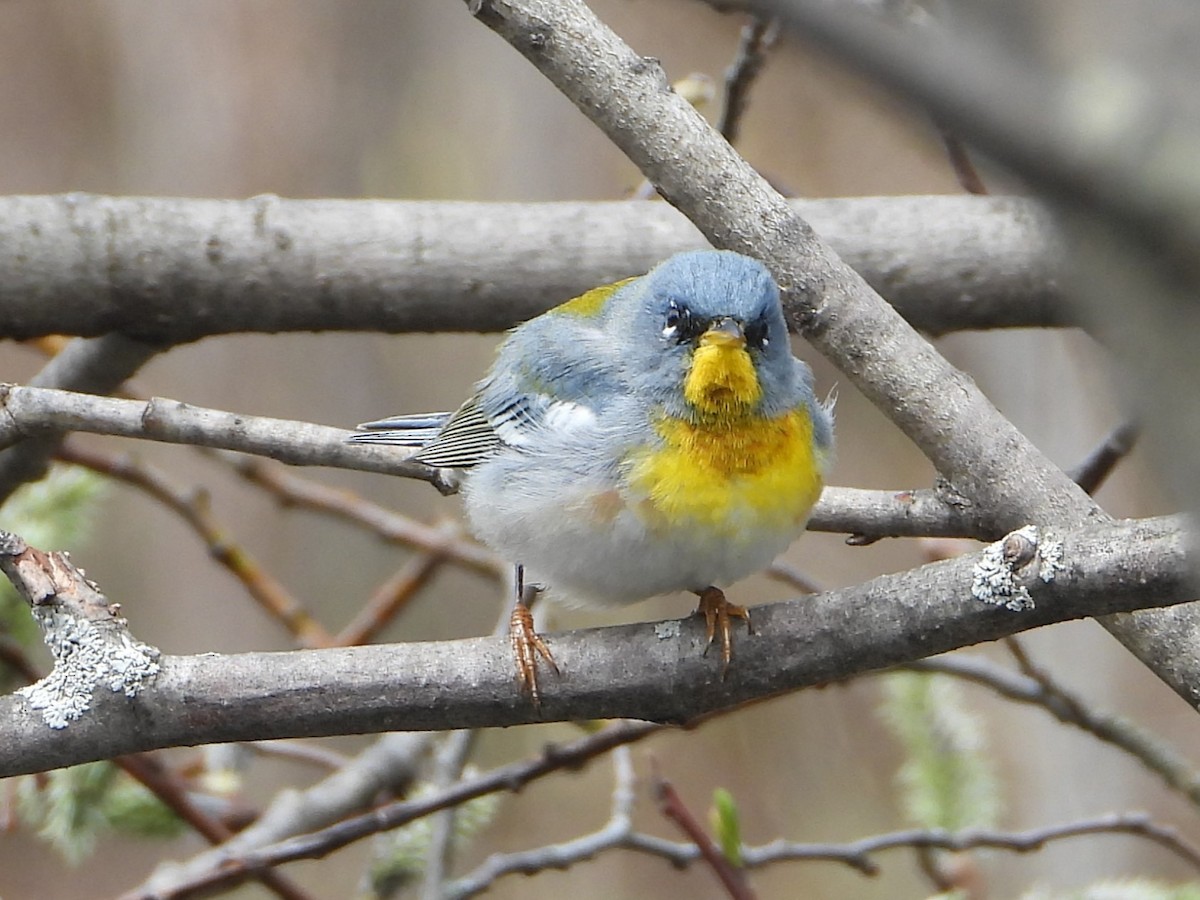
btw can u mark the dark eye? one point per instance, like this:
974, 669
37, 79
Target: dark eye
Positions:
678, 323
757, 335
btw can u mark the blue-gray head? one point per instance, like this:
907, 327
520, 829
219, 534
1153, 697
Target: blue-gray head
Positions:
705, 331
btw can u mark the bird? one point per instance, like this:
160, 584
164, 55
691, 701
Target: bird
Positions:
650, 436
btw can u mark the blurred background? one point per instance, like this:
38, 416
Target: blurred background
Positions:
416, 100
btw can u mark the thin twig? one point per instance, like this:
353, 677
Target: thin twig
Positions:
1159, 758
785, 573
391, 597
296, 490
960, 161
12, 654
389, 765
858, 855
235, 869
311, 754
757, 38
169, 789
98, 364
449, 761
615, 832
1095, 468
193, 508
671, 805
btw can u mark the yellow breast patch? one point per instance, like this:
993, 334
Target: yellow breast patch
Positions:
729, 476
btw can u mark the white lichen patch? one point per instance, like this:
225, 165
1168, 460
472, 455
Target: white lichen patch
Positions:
666, 631
1050, 554
994, 578
86, 656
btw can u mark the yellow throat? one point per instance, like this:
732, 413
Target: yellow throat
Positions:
722, 382
729, 470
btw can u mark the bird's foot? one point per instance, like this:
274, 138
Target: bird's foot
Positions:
718, 612
527, 646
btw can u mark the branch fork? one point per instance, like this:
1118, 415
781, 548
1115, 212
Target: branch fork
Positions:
91, 645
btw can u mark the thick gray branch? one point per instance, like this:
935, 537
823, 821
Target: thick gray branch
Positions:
174, 270
653, 671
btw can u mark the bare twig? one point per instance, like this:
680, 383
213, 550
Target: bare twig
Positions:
193, 507
294, 490
858, 854
165, 785
31, 411
868, 515
391, 597
757, 38
313, 755
1157, 756
960, 161
1094, 469
793, 577
96, 365
672, 807
939, 512
618, 828
234, 869
448, 767
13, 655
619, 833
390, 764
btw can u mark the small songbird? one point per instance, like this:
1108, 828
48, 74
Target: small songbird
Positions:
649, 436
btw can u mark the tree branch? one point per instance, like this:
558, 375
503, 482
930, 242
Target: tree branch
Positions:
172, 270
1144, 746
389, 765
95, 366
228, 869
31, 412
26, 411
655, 671
618, 833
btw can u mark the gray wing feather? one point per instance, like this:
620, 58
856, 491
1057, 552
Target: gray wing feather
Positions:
543, 366
455, 440
467, 439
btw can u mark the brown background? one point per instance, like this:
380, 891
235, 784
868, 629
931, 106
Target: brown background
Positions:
416, 100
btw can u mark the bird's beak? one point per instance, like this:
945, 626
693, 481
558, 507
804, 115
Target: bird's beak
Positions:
725, 333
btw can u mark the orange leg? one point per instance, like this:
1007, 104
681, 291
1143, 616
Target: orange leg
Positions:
718, 612
527, 644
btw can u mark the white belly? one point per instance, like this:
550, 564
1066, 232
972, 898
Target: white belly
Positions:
594, 549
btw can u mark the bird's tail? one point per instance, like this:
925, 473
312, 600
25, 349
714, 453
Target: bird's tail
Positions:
402, 431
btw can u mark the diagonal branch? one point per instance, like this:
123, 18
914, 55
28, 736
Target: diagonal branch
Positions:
978, 451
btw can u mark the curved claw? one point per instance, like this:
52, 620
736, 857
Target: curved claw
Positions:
718, 612
527, 646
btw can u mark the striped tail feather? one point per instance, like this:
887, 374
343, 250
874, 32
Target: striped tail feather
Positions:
415, 430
